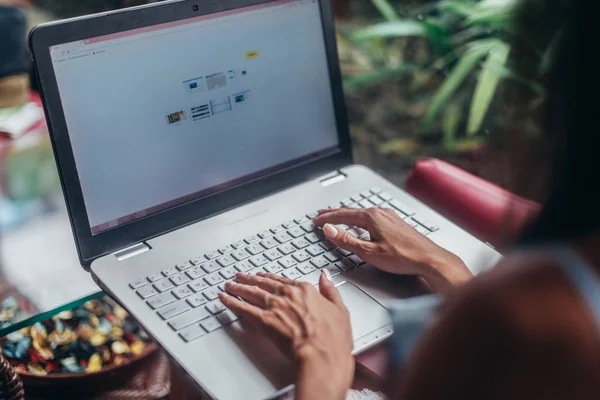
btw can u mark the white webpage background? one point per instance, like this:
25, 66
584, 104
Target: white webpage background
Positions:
129, 159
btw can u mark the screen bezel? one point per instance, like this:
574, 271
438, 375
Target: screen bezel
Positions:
91, 247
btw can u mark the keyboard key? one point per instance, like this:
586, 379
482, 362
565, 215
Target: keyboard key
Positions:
138, 284
283, 237
213, 279
375, 200
427, 224
333, 270
170, 271
289, 224
227, 317
226, 249
251, 239
212, 293
312, 278
375, 190
287, 262
198, 260
296, 232
215, 307
259, 260
327, 245
347, 201
155, 277
333, 256
173, 310
313, 238
211, 267
335, 204
344, 252
226, 260
305, 268
161, 300
255, 249
312, 215
365, 203
244, 266
238, 244
272, 254
184, 266
196, 300
356, 260
195, 272
319, 262
228, 273
210, 324
179, 279
344, 265
301, 256
308, 227
273, 268
240, 254
265, 234
422, 230
188, 318
403, 208
314, 250
212, 255
277, 229
286, 248
300, 243
221, 286
269, 243
292, 274
182, 291
146, 292
198, 285
192, 333
385, 196
163, 285
301, 220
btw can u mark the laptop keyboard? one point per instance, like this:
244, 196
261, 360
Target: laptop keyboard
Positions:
186, 295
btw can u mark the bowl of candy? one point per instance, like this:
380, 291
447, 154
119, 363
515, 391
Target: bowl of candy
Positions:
95, 346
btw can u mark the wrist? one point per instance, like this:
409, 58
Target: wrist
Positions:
323, 376
446, 272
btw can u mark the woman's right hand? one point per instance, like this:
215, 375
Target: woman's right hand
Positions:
395, 246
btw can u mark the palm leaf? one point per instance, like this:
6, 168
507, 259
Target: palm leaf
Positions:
486, 87
386, 10
459, 73
399, 28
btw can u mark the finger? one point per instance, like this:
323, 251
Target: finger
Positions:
350, 216
265, 283
242, 309
251, 294
277, 278
345, 240
328, 289
329, 210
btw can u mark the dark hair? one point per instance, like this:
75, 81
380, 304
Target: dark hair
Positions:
571, 207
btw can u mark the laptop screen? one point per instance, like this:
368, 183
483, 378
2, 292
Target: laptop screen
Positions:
163, 115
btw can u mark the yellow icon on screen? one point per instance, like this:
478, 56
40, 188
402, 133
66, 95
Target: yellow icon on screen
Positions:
251, 54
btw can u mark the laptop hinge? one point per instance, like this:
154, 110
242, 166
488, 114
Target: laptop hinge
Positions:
132, 251
332, 178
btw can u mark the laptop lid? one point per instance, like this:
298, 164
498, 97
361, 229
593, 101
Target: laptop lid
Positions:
163, 115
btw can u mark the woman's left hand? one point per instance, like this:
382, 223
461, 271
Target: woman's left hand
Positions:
311, 326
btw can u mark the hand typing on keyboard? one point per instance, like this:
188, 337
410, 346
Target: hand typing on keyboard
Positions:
394, 245
310, 325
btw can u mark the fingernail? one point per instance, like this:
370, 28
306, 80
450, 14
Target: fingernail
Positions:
328, 275
330, 231
228, 284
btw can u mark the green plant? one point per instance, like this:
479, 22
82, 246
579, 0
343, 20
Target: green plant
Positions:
467, 40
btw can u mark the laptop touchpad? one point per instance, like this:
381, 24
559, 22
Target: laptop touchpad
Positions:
366, 314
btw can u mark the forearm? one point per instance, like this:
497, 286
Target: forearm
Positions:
314, 380
445, 272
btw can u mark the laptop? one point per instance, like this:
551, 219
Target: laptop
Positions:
196, 139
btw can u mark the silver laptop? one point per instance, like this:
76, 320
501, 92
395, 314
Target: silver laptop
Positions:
198, 139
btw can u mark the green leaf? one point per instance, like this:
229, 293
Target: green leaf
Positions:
461, 8
505, 73
450, 125
486, 87
386, 10
495, 13
459, 73
378, 76
399, 28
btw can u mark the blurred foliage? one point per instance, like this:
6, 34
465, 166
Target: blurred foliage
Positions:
466, 41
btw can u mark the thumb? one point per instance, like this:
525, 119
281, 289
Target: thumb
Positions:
345, 240
328, 289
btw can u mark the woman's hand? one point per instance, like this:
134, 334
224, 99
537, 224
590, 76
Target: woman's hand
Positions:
312, 328
395, 246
